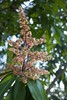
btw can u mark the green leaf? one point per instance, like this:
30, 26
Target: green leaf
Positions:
48, 39
58, 35
17, 91
43, 92
5, 84
10, 56
28, 94
6, 78
5, 73
36, 90
61, 3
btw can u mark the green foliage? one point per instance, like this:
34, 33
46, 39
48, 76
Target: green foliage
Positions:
49, 20
15, 89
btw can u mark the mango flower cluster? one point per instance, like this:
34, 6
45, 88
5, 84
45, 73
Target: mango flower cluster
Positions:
24, 60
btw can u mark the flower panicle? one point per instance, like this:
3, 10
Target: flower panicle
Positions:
24, 59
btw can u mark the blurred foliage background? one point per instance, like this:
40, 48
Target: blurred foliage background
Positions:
47, 18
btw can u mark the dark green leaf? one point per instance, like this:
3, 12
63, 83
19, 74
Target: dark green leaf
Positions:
17, 91
28, 94
5, 85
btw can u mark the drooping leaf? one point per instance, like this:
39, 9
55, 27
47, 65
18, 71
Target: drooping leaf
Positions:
5, 84
17, 91
42, 90
36, 90
28, 94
